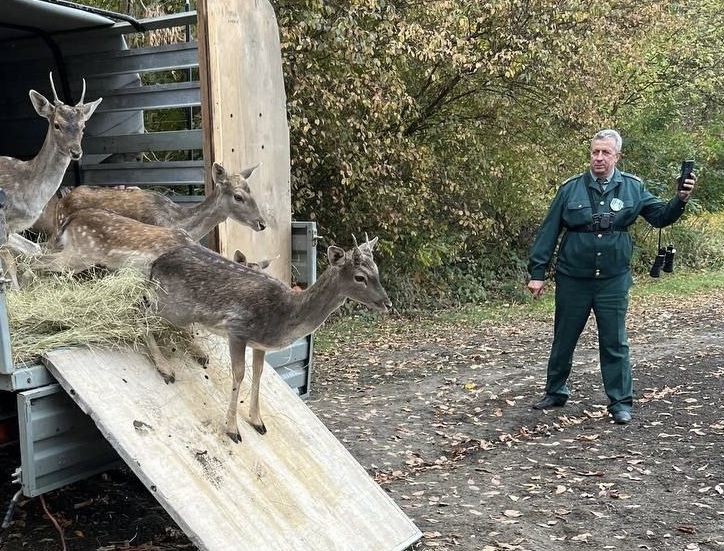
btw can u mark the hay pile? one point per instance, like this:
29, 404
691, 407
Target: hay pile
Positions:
96, 309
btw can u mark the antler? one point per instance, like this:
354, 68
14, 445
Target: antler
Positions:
82, 95
52, 86
367, 247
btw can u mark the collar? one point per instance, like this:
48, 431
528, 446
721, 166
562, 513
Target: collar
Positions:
607, 179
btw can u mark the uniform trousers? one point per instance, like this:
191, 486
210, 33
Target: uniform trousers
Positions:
608, 298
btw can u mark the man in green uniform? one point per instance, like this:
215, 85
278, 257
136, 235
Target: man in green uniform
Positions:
593, 211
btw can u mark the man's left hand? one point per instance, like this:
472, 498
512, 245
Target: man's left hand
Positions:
689, 183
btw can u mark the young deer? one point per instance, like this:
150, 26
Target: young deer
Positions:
97, 237
231, 198
254, 309
30, 184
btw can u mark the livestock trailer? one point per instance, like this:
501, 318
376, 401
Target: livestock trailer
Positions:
164, 117
180, 91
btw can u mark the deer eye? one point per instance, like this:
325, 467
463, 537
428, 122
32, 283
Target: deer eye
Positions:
56, 126
359, 279
239, 198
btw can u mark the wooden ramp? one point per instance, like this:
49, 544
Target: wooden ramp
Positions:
295, 488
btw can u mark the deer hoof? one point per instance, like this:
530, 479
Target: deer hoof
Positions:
261, 429
235, 437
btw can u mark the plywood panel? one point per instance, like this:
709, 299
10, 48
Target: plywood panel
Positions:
295, 488
244, 112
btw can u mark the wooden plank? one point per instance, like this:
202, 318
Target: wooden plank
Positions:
295, 487
245, 121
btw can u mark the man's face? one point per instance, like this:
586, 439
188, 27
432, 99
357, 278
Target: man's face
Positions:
603, 157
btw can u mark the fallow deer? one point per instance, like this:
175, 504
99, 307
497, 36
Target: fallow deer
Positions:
97, 237
255, 309
240, 258
231, 197
30, 184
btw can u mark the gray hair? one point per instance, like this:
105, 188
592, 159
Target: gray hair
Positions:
608, 133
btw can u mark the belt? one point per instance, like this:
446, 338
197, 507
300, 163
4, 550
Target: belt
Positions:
595, 228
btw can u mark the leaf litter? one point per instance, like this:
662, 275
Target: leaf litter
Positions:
439, 414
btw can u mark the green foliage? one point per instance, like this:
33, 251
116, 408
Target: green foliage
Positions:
445, 127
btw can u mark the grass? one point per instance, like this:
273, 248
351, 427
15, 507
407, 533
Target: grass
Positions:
679, 283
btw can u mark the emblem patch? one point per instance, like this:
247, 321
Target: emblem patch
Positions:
616, 204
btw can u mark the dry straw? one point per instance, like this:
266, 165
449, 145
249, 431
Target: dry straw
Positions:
96, 310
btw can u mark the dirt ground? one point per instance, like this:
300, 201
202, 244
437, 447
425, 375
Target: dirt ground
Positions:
439, 414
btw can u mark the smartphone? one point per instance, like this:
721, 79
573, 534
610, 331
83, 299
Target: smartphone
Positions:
687, 167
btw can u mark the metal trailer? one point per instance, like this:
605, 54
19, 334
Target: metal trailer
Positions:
59, 443
300, 485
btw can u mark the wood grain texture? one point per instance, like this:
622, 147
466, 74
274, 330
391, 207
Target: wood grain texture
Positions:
296, 487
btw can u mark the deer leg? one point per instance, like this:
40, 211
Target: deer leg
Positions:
237, 352
9, 268
257, 366
198, 355
163, 366
60, 261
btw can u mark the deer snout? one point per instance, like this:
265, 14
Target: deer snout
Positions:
75, 153
383, 305
260, 225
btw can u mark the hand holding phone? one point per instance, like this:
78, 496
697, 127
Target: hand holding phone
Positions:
687, 167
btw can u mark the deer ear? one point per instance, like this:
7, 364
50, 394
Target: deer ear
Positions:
217, 172
247, 172
89, 108
42, 106
335, 255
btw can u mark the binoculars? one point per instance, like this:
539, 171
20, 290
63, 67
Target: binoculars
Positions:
664, 261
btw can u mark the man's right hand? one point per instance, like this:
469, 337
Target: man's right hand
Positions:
535, 286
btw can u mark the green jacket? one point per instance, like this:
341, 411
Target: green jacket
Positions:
596, 254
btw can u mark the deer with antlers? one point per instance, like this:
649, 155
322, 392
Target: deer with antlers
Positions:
231, 198
30, 184
255, 309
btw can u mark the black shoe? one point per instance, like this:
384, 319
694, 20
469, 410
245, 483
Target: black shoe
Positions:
622, 417
548, 402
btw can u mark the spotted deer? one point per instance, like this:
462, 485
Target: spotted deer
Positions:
255, 309
231, 197
97, 237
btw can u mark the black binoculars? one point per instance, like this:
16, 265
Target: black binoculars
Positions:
664, 261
